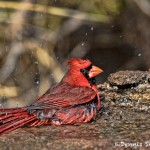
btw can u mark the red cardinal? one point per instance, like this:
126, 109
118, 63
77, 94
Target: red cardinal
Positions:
75, 99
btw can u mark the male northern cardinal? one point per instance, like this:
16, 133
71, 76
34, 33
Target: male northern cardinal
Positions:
75, 99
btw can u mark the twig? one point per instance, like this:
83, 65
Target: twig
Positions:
65, 12
144, 6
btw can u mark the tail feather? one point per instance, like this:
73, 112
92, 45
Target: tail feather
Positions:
12, 126
11, 119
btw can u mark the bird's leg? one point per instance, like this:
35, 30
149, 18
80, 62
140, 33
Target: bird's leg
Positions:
56, 122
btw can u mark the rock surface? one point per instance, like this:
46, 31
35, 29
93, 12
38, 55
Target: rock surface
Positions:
123, 122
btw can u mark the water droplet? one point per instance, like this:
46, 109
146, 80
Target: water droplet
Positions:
139, 54
120, 36
112, 26
86, 34
36, 62
82, 44
17, 106
92, 28
37, 82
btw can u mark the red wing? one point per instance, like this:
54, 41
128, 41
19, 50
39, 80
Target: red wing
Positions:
63, 95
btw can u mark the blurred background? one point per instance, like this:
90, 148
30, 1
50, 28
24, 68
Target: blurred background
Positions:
37, 37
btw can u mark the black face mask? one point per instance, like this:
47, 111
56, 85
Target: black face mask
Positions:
85, 72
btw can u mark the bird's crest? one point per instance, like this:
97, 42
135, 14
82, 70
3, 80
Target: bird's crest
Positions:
77, 62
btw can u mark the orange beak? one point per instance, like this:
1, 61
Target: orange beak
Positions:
95, 71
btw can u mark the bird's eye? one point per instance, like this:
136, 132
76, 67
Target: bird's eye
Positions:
82, 70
